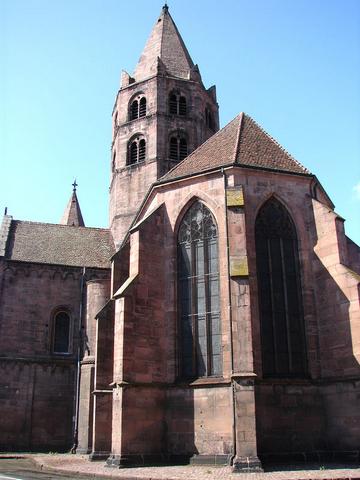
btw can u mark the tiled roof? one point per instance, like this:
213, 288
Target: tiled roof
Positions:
241, 142
59, 244
164, 43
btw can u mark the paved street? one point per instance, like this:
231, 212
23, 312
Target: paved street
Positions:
24, 469
72, 467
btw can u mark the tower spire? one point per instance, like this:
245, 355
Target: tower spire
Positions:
72, 215
164, 43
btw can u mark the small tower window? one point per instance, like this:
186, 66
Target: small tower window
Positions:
136, 151
178, 148
134, 112
209, 119
142, 107
61, 338
113, 165
142, 150
182, 106
173, 104
137, 108
177, 104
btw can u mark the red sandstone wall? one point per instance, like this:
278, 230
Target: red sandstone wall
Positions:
37, 386
36, 405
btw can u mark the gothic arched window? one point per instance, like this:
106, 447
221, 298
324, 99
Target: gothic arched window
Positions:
136, 150
177, 104
137, 108
178, 148
280, 304
198, 294
61, 333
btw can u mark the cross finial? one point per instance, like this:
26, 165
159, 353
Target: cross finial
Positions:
165, 7
74, 185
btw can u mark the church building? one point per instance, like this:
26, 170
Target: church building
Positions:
217, 320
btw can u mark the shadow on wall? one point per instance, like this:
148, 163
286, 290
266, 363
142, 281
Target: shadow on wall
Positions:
310, 416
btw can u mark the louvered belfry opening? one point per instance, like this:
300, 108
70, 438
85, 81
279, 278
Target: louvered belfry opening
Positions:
133, 153
142, 150
173, 149
138, 108
280, 299
136, 151
142, 107
177, 104
134, 110
183, 151
182, 106
198, 294
173, 104
178, 149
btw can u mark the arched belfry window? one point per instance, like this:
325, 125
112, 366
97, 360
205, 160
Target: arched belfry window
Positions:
137, 108
136, 150
177, 104
61, 333
178, 148
198, 294
280, 299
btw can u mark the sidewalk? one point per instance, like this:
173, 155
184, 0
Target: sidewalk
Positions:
80, 465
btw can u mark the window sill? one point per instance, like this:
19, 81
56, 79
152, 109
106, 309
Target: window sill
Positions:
205, 381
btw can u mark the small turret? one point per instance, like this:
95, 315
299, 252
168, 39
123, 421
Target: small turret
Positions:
72, 215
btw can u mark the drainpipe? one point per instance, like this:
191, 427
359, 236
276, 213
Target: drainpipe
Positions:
230, 318
77, 381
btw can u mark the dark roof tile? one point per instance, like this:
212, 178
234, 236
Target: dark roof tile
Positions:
59, 244
241, 142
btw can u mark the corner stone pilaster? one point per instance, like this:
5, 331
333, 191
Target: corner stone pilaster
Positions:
246, 459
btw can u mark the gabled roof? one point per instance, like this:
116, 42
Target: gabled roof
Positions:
72, 214
241, 142
59, 244
164, 43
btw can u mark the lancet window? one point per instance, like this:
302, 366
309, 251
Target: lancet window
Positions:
280, 299
198, 294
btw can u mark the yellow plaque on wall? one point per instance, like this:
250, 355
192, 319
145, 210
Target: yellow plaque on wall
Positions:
235, 197
239, 266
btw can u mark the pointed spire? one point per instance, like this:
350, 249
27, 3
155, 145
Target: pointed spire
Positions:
72, 215
164, 42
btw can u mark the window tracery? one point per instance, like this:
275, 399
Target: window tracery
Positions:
198, 286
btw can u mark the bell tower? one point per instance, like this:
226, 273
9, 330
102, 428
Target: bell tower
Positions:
161, 114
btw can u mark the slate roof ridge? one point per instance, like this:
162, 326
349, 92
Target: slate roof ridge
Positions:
59, 225
276, 143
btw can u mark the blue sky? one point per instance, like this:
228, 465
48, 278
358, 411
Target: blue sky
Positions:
294, 66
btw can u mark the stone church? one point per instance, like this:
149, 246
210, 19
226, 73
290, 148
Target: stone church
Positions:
216, 320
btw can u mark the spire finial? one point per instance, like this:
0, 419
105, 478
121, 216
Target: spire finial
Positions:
165, 7
74, 185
